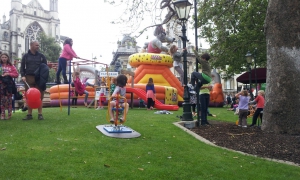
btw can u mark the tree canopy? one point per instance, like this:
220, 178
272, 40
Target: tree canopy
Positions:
232, 27
49, 47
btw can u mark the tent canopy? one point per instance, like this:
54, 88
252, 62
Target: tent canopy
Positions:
261, 76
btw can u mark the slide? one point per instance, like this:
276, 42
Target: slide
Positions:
158, 105
161, 75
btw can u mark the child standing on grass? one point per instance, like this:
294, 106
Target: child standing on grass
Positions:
243, 107
260, 102
74, 95
193, 98
121, 91
150, 90
102, 97
7, 85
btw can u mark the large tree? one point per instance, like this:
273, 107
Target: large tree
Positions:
283, 67
49, 47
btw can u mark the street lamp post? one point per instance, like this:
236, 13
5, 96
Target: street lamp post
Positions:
197, 66
95, 59
254, 57
183, 8
249, 61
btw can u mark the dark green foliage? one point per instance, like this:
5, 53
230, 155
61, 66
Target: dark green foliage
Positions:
49, 47
52, 75
232, 28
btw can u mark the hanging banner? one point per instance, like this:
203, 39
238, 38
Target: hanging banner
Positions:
110, 74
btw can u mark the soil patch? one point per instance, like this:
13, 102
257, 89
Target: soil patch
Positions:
252, 140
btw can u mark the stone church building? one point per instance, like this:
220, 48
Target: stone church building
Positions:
25, 23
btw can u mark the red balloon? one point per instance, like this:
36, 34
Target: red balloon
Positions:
34, 104
33, 94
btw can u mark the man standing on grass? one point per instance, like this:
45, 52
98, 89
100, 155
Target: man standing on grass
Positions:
32, 61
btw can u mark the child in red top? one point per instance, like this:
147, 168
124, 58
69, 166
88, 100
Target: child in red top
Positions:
102, 97
7, 84
260, 103
80, 88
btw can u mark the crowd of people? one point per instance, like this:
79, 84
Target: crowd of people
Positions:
244, 107
201, 83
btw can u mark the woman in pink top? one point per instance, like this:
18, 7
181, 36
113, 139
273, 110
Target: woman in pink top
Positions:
7, 85
67, 54
260, 103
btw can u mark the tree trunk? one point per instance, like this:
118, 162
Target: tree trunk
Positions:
282, 105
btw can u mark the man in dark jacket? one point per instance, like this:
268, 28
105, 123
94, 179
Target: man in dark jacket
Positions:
41, 76
31, 61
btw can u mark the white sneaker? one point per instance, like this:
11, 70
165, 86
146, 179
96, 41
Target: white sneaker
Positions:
99, 108
244, 126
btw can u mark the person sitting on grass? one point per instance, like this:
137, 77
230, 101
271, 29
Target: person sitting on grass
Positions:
121, 91
234, 106
209, 114
21, 90
141, 103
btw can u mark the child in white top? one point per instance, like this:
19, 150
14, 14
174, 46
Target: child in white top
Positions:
119, 90
102, 97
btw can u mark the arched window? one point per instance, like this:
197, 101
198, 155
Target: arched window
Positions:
32, 33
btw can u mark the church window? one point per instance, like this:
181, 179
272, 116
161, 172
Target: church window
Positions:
34, 13
32, 33
5, 36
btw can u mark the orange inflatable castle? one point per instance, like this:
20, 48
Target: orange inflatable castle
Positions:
167, 86
157, 66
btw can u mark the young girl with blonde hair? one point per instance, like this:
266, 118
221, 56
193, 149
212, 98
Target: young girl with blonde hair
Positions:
260, 103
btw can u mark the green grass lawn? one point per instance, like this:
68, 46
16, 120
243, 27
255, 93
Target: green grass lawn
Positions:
70, 147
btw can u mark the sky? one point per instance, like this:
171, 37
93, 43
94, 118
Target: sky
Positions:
88, 24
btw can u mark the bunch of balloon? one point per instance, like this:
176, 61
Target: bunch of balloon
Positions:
33, 97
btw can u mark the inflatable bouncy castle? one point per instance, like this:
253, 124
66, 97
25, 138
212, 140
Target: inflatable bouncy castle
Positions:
150, 63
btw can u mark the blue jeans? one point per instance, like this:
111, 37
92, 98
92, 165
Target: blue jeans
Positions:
204, 101
86, 95
62, 67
